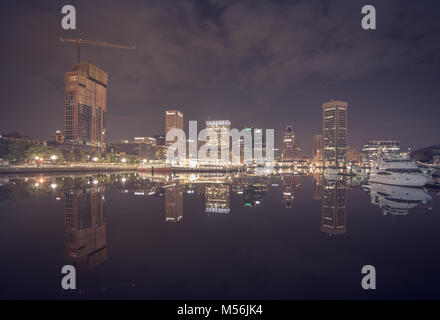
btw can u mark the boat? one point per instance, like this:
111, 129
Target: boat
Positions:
397, 200
399, 171
331, 170
356, 170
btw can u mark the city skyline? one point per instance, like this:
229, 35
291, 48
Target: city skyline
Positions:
210, 70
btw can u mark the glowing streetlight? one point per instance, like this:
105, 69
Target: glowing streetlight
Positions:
95, 159
124, 179
53, 185
53, 157
37, 158
95, 181
123, 160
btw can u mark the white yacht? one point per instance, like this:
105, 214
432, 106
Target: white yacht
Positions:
331, 170
398, 200
399, 171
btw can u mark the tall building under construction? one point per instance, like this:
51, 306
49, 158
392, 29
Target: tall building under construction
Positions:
85, 103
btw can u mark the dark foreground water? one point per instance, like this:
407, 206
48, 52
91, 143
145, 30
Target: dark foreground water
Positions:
216, 236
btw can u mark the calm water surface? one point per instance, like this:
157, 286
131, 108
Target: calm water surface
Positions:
216, 236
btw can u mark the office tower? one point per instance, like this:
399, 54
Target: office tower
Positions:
221, 129
291, 148
217, 198
174, 203
374, 150
173, 120
353, 155
290, 189
254, 193
334, 207
160, 140
140, 147
257, 150
86, 230
317, 186
58, 137
85, 103
317, 148
334, 114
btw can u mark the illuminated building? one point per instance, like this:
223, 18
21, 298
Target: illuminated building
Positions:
173, 203
353, 155
290, 188
221, 129
58, 137
291, 149
141, 147
317, 148
86, 230
334, 114
85, 103
317, 186
173, 120
217, 198
334, 207
374, 150
254, 193
160, 140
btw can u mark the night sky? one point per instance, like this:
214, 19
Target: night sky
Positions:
256, 63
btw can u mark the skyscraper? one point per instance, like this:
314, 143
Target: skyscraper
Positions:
291, 148
85, 103
221, 129
334, 114
317, 148
173, 120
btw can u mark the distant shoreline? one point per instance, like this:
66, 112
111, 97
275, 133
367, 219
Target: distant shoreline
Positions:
65, 169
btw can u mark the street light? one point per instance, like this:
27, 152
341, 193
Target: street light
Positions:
95, 159
123, 160
53, 157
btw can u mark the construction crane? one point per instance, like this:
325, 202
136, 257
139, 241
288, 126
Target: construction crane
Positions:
80, 42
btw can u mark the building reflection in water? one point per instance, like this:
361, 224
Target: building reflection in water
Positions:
86, 230
290, 188
173, 203
334, 207
217, 198
254, 194
317, 186
397, 200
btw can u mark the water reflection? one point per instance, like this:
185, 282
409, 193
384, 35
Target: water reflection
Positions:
334, 207
290, 188
84, 200
173, 203
397, 200
86, 230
